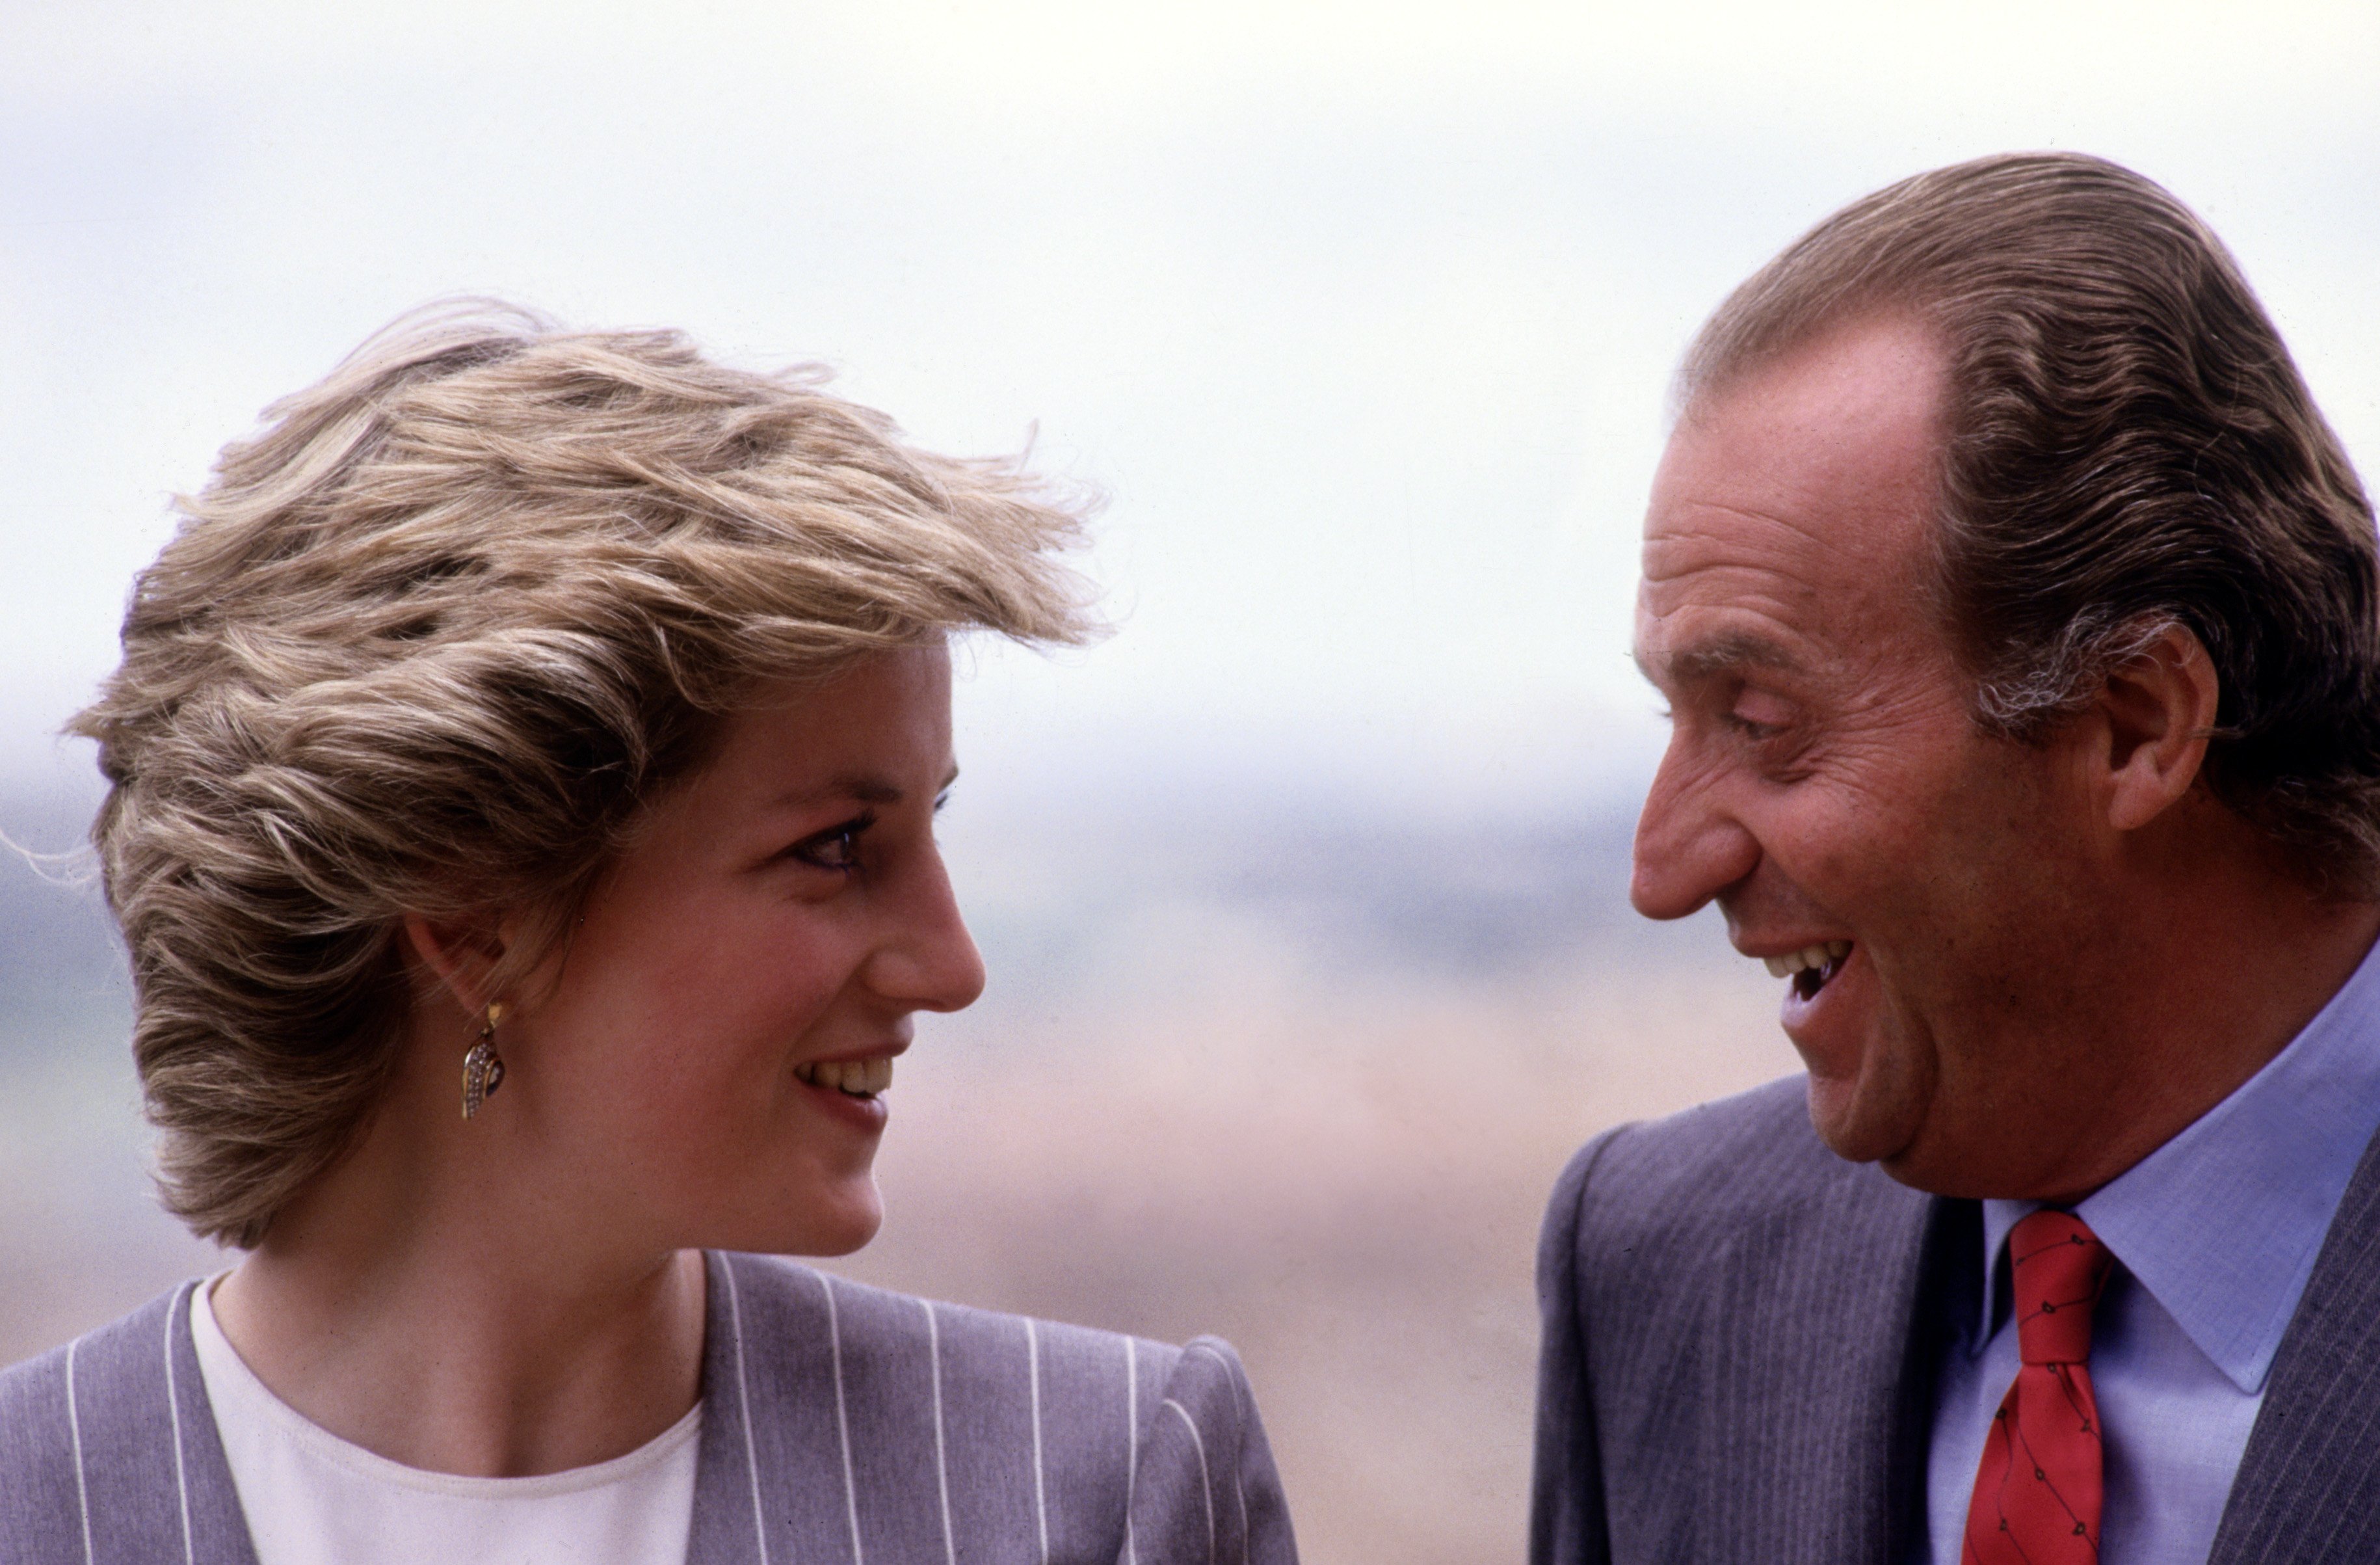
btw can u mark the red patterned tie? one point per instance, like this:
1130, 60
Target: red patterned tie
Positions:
2038, 1492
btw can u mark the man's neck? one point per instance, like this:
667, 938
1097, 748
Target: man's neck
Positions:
2233, 967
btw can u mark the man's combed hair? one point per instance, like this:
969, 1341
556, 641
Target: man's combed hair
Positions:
2129, 446
428, 641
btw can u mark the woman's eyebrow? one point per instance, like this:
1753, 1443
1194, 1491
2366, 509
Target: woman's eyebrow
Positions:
859, 788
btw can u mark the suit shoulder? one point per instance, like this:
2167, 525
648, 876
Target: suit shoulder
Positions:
33, 1417
39, 1493
1748, 1160
58, 1409
967, 1342
1039, 1439
36, 1411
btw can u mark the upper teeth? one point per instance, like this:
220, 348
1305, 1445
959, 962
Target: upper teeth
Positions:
860, 1078
1793, 962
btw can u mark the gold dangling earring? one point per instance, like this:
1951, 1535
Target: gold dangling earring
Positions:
483, 1068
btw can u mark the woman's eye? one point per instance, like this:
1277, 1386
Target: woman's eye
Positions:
837, 847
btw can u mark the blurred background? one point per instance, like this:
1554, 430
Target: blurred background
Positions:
1304, 895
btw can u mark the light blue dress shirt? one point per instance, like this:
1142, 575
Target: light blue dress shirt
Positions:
2216, 1233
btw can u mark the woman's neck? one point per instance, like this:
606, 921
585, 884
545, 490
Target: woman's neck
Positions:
461, 1323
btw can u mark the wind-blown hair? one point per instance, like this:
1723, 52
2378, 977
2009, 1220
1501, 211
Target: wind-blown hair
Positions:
2128, 446
426, 643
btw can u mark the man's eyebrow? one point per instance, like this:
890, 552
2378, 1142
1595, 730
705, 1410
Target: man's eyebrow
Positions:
1720, 654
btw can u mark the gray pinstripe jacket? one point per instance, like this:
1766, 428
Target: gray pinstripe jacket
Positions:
840, 1423
1740, 1335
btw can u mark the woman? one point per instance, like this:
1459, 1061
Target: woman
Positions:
523, 769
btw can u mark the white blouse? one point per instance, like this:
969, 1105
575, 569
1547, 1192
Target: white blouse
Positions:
311, 1497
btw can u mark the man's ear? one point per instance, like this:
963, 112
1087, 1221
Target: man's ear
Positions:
2158, 707
460, 959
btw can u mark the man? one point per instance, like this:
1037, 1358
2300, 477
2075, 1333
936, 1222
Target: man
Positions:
2020, 624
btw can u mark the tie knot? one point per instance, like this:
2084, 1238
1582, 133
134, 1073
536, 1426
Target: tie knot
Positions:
2057, 1267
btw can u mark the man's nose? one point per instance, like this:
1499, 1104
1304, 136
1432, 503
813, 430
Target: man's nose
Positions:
1689, 848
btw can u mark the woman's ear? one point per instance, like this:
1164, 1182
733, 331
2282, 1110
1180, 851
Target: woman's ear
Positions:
459, 957
2158, 707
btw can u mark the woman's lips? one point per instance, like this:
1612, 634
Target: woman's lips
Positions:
860, 1113
851, 1090
858, 1078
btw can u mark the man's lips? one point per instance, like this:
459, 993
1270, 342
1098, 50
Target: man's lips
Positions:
1825, 1010
1811, 967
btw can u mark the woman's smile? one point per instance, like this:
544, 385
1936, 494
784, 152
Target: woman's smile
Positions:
725, 1025
851, 1089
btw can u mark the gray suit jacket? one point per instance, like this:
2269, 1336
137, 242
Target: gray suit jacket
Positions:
1739, 1335
840, 1423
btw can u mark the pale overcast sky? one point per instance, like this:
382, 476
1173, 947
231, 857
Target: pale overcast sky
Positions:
1360, 314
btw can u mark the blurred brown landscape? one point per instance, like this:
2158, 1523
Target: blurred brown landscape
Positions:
1305, 1090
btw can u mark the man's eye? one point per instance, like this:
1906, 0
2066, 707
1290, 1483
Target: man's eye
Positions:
837, 847
1751, 729
1759, 715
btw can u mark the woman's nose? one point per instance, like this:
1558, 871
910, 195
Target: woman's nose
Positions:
927, 961
1688, 848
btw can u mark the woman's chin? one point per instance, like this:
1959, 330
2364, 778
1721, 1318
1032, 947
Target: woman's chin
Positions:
851, 1237
836, 1226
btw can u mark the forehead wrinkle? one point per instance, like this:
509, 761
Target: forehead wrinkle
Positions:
1776, 569
1683, 542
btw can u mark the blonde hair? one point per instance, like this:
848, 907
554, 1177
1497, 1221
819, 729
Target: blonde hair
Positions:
427, 641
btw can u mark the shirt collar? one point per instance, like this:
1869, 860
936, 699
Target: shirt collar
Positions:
2222, 1224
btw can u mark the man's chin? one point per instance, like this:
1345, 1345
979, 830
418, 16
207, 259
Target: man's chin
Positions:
1936, 1167
1852, 1126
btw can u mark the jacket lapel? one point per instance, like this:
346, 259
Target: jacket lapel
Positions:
773, 1469
728, 1527
2308, 1489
